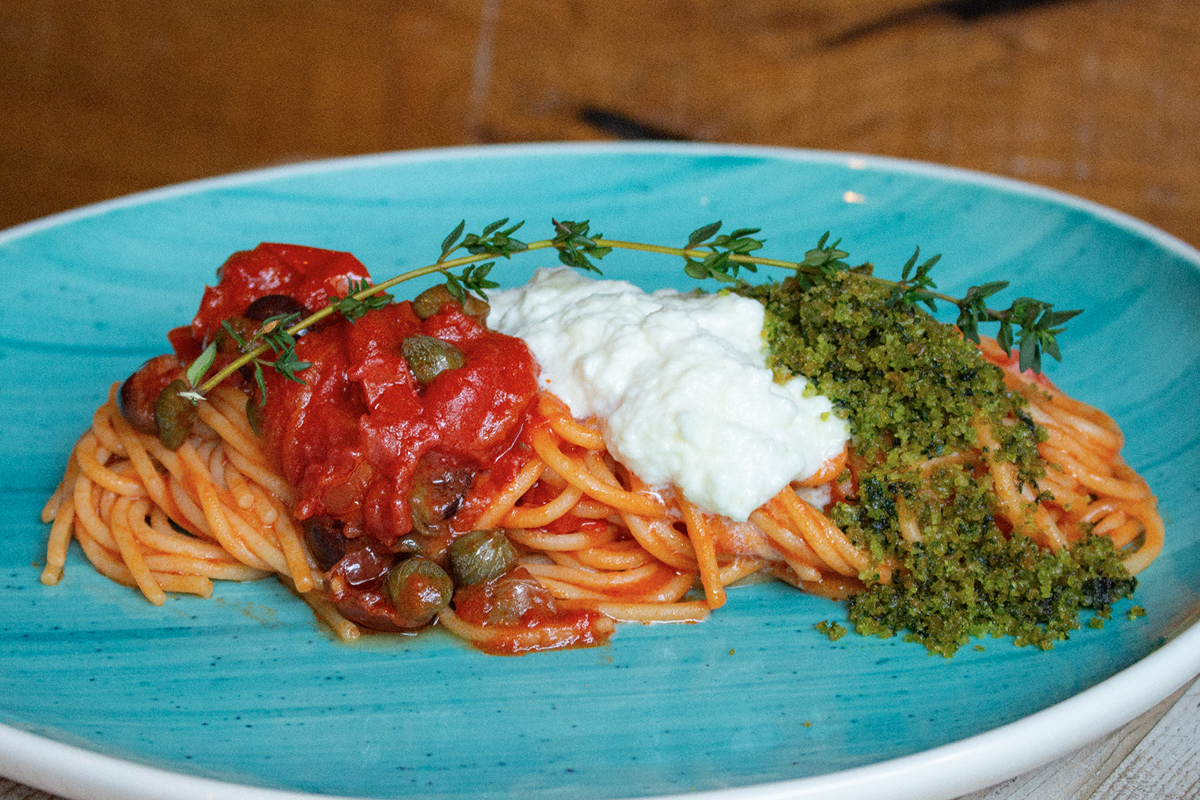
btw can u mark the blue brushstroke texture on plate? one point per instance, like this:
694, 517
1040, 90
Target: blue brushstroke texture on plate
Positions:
247, 688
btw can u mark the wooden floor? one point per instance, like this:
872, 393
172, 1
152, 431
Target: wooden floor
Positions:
1100, 98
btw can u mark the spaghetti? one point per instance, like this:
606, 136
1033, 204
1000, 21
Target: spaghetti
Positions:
592, 544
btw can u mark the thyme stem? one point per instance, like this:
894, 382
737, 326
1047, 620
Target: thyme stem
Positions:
684, 252
761, 261
706, 255
215, 380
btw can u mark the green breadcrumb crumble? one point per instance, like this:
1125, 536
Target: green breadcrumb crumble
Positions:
833, 630
909, 388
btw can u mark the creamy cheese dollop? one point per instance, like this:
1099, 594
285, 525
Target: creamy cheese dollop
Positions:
679, 383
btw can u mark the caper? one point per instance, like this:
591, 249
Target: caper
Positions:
429, 357
430, 302
418, 588
514, 594
175, 415
476, 308
480, 556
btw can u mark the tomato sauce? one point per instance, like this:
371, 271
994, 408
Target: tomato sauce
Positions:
349, 437
308, 275
515, 600
352, 433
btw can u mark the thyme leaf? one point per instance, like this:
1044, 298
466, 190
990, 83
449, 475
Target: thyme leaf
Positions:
197, 369
287, 365
450, 243
474, 278
719, 263
494, 240
822, 262
354, 306
577, 247
915, 285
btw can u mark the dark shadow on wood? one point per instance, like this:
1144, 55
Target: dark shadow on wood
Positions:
622, 127
963, 10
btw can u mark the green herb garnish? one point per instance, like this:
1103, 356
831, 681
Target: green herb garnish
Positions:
1030, 325
354, 305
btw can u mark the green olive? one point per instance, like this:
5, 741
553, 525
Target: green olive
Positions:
429, 357
480, 556
418, 588
175, 415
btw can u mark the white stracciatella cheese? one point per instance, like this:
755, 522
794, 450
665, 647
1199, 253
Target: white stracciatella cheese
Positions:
679, 383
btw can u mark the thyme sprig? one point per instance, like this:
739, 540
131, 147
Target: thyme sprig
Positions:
279, 334
1032, 326
1037, 324
1028, 324
282, 339
274, 334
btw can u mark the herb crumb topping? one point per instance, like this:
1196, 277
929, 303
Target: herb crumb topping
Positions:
913, 392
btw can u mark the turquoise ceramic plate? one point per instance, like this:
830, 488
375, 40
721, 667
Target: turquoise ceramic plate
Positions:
104, 695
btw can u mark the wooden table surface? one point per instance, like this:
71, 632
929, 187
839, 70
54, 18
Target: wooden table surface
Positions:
1099, 98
